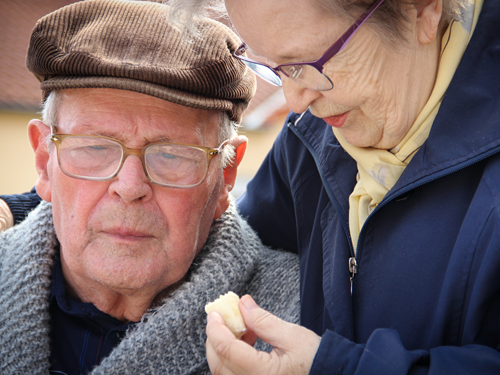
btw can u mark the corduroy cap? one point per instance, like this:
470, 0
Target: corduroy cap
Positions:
129, 45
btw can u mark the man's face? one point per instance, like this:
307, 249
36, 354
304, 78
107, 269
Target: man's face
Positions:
128, 234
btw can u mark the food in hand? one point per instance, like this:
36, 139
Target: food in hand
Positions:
227, 306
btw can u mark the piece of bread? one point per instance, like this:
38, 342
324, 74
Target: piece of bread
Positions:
227, 306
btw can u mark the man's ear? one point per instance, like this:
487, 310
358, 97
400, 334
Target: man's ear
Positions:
428, 17
37, 133
240, 145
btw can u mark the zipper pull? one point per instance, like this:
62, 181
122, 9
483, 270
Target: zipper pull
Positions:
353, 269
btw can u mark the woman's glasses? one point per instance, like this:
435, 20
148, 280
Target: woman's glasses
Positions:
308, 74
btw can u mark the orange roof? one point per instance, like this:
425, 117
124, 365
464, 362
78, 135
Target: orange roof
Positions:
18, 88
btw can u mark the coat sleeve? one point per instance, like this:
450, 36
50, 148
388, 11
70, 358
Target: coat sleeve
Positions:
22, 204
384, 354
267, 204
469, 342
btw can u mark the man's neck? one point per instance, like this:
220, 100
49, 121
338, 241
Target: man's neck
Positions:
122, 304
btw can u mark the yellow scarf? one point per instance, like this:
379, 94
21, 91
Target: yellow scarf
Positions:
379, 170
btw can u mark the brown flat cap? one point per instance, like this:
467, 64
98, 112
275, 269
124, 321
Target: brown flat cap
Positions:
129, 45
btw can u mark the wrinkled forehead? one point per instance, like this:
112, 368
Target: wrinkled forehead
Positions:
134, 118
284, 31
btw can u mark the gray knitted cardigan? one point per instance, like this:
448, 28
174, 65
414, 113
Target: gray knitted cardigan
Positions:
170, 339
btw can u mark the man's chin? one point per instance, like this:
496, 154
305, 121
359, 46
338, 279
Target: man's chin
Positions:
126, 269
127, 279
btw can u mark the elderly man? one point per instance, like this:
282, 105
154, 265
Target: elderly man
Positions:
135, 154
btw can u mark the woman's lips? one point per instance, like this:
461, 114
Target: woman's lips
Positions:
337, 121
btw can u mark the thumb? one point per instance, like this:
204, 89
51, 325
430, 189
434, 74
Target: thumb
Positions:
265, 325
294, 346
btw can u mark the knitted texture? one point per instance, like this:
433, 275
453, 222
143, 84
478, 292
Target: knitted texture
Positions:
170, 339
129, 45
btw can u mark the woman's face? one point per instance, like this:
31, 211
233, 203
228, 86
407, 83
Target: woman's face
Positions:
378, 90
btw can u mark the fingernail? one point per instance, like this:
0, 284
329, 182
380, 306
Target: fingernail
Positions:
248, 302
211, 316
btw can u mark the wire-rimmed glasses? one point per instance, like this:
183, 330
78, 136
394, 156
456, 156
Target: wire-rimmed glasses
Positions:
309, 74
99, 158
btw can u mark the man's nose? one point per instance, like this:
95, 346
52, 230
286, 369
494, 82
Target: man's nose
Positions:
298, 97
131, 184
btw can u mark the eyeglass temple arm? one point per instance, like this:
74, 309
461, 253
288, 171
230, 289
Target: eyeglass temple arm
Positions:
340, 44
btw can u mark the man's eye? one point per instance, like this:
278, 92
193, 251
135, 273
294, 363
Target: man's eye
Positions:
98, 148
168, 156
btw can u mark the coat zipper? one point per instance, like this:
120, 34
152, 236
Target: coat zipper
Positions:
353, 270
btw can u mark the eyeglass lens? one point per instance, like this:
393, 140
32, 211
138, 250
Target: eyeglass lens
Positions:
100, 158
306, 75
89, 157
176, 165
264, 72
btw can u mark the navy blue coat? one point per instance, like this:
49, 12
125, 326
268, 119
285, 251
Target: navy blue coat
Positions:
22, 204
426, 295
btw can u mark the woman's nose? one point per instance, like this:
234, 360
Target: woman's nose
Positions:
298, 97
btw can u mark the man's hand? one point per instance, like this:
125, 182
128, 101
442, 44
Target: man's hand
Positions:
294, 346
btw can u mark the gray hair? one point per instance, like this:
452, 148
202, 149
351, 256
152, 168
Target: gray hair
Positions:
227, 130
390, 19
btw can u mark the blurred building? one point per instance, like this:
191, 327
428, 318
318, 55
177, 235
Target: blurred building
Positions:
20, 97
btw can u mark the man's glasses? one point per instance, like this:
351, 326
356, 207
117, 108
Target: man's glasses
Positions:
308, 74
96, 158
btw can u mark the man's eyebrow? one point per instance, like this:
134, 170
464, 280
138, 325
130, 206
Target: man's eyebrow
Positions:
162, 139
100, 132
122, 135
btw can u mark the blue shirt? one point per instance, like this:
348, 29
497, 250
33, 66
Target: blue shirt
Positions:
81, 335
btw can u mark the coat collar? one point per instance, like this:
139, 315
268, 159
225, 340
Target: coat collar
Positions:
170, 336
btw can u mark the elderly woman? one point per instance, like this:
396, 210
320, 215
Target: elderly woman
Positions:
385, 180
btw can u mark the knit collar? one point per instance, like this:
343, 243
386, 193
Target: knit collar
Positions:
226, 262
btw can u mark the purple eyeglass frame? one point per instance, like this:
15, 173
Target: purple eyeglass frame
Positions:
329, 53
